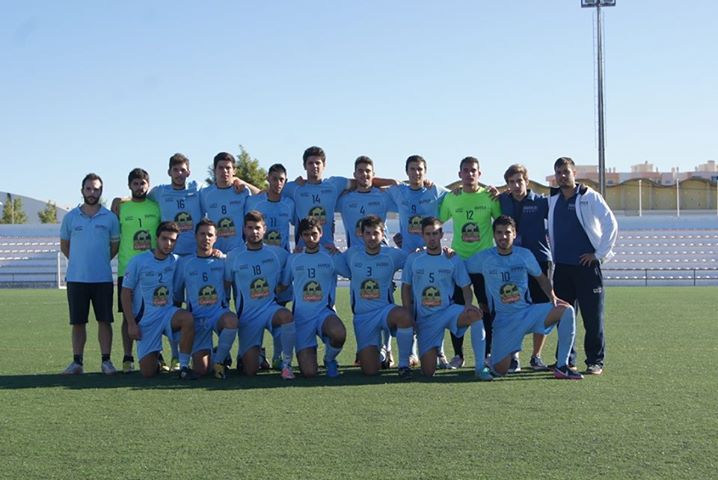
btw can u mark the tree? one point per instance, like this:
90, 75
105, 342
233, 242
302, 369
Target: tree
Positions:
49, 214
246, 168
12, 211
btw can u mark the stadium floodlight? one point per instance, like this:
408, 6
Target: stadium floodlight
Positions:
597, 4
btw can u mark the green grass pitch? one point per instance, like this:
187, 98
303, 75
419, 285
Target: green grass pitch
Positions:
653, 414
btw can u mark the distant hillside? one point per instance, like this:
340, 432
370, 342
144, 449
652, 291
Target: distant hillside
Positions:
31, 207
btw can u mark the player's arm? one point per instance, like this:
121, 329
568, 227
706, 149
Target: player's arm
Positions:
115, 206
126, 299
547, 288
65, 247
114, 248
468, 299
240, 185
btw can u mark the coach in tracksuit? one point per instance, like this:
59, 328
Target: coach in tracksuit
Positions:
582, 232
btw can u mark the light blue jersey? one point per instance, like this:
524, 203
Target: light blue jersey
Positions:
371, 276
277, 217
356, 205
432, 279
151, 282
317, 200
90, 239
506, 278
413, 206
255, 275
199, 281
314, 278
182, 207
225, 207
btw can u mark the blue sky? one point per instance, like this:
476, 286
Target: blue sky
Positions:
107, 86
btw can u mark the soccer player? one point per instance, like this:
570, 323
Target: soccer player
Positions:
179, 203
278, 211
362, 201
371, 269
314, 276
582, 230
428, 282
529, 210
147, 302
254, 274
222, 204
90, 238
471, 212
506, 269
139, 219
199, 281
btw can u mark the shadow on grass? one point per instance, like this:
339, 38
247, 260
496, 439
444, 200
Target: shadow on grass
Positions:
350, 377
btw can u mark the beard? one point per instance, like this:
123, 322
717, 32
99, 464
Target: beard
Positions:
91, 200
139, 196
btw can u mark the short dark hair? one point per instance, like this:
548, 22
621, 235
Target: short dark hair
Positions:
561, 161
504, 220
308, 224
204, 222
363, 159
514, 169
314, 152
253, 216
91, 176
469, 160
223, 156
370, 221
167, 227
138, 173
277, 167
178, 159
414, 158
426, 221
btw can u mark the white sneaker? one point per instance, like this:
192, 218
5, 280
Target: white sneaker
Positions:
413, 361
73, 369
443, 364
456, 362
515, 365
108, 368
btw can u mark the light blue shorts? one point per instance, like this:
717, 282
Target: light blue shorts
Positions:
251, 329
308, 329
368, 327
510, 330
152, 327
204, 325
430, 330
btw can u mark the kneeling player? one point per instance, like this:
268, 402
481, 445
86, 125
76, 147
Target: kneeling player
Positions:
428, 283
147, 302
199, 281
315, 281
506, 269
371, 268
255, 272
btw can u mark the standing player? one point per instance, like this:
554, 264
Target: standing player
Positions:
529, 210
199, 281
471, 212
139, 219
506, 269
428, 282
278, 211
147, 302
254, 273
89, 238
222, 204
362, 201
582, 231
314, 276
371, 269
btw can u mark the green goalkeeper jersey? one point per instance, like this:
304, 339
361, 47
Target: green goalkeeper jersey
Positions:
472, 215
138, 226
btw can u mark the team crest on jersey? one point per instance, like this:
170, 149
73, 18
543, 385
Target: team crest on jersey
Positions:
369, 289
509, 293
259, 288
207, 295
225, 227
184, 221
273, 237
431, 297
142, 240
415, 224
470, 232
312, 292
319, 213
160, 297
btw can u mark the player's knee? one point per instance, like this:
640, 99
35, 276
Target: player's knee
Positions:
369, 370
230, 321
283, 317
308, 370
427, 369
403, 318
